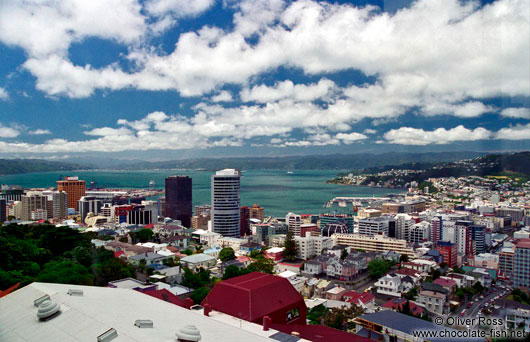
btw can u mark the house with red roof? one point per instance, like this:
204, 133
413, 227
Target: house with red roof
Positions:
396, 304
166, 296
256, 295
446, 283
364, 298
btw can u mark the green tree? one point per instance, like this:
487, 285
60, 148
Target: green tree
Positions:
233, 271
404, 258
83, 255
379, 267
412, 294
263, 265
289, 252
145, 235
343, 254
65, 272
227, 253
188, 251
199, 294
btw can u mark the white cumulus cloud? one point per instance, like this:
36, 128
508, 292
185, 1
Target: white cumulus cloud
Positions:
418, 136
516, 112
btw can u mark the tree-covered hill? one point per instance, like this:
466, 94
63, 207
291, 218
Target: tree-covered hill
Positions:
14, 166
47, 253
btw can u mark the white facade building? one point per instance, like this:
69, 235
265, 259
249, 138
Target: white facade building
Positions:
310, 246
225, 202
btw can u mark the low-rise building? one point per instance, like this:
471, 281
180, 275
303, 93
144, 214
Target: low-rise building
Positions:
311, 246
336, 293
375, 243
434, 302
198, 260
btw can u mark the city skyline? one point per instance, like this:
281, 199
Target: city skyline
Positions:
176, 80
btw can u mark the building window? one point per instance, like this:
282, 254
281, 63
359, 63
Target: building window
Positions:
292, 314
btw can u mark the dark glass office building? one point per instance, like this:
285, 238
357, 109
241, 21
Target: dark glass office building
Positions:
178, 199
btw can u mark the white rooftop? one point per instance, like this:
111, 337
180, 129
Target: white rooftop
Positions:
84, 318
227, 172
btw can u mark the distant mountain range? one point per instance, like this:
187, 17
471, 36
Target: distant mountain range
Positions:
310, 162
14, 166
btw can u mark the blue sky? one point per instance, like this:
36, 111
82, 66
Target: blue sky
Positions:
165, 79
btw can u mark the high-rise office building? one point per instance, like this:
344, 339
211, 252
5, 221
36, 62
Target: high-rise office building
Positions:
244, 219
521, 264
404, 223
436, 229
373, 226
33, 201
257, 212
449, 252
89, 204
11, 193
225, 202
59, 204
478, 234
3, 209
74, 188
293, 222
178, 204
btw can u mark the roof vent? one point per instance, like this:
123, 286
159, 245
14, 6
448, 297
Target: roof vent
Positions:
108, 335
189, 333
143, 323
39, 300
74, 292
47, 309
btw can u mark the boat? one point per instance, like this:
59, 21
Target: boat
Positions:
152, 183
342, 204
289, 172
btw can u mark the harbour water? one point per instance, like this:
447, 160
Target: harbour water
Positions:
303, 192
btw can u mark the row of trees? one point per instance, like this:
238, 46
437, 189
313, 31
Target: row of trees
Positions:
47, 253
338, 318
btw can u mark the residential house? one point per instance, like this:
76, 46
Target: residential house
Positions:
173, 274
274, 253
389, 284
336, 293
363, 299
448, 284
195, 261
396, 304
434, 302
249, 247
149, 257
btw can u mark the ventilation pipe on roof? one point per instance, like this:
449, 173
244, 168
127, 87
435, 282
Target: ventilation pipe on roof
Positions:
47, 309
207, 309
188, 303
266, 323
189, 333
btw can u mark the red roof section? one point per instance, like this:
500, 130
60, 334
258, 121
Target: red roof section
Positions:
165, 295
397, 303
444, 282
319, 333
523, 243
252, 296
355, 297
409, 272
9, 290
118, 253
243, 258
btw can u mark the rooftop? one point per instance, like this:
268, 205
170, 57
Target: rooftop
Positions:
98, 309
408, 324
198, 258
